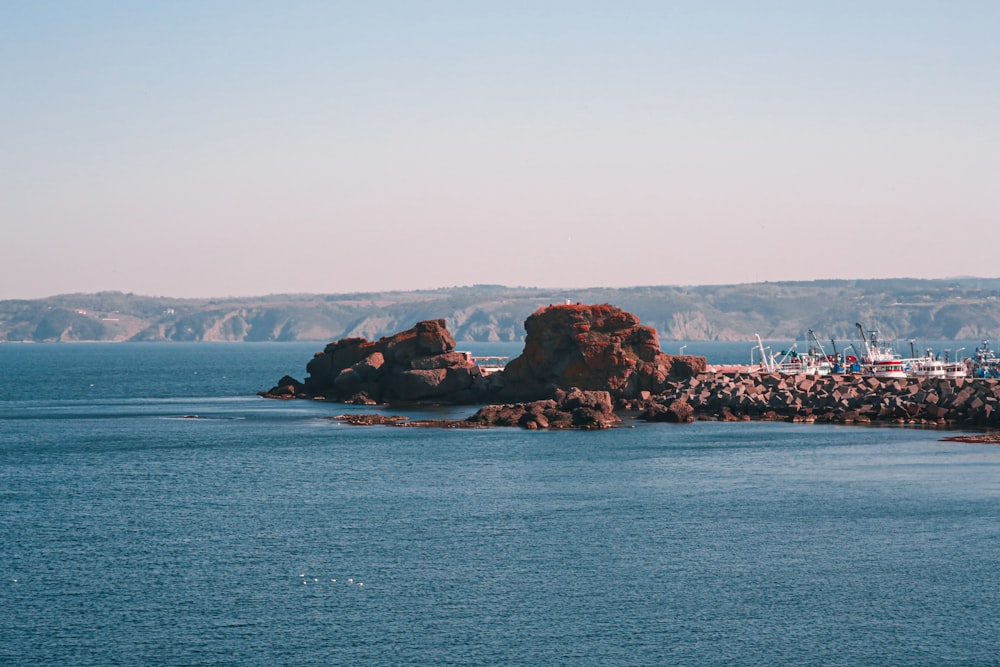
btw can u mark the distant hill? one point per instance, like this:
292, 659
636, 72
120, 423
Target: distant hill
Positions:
965, 308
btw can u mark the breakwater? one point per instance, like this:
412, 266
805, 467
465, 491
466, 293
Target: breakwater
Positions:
833, 398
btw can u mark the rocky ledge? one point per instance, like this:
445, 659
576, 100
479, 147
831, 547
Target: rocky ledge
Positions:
576, 408
588, 410
992, 438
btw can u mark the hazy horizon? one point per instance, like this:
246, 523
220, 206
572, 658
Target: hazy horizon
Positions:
443, 288
223, 148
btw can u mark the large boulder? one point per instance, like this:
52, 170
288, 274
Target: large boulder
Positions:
676, 411
416, 365
592, 347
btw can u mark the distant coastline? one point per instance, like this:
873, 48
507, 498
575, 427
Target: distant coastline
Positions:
902, 309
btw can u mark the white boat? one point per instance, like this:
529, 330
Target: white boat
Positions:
487, 365
806, 364
790, 362
927, 367
877, 360
885, 368
931, 366
490, 365
956, 369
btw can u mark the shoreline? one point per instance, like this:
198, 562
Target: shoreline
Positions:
971, 405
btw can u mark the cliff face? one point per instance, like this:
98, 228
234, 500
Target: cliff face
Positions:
592, 347
903, 308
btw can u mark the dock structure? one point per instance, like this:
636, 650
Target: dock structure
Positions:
490, 365
734, 396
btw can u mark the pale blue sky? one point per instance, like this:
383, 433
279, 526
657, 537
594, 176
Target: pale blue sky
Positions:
200, 148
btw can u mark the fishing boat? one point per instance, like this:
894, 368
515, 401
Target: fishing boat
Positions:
805, 364
886, 368
956, 369
927, 367
876, 359
790, 361
985, 364
932, 366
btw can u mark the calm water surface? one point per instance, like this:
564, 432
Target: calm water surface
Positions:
262, 533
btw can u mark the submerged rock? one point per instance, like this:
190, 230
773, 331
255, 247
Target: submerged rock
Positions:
576, 408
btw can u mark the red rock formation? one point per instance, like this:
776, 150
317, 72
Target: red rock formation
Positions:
415, 365
677, 411
593, 347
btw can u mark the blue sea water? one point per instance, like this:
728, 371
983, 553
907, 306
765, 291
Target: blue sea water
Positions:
262, 533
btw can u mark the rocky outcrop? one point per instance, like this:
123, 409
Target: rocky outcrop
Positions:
992, 438
581, 362
676, 411
591, 347
418, 365
287, 387
834, 398
582, 348
575, 408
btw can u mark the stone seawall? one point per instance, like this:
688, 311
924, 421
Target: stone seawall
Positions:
834, 398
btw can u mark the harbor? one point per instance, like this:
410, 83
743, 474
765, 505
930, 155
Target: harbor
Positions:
867, 382
870, 357
835, 398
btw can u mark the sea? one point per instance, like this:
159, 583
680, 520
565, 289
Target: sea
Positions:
155, 511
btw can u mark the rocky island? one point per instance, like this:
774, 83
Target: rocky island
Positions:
579, 363
585, 365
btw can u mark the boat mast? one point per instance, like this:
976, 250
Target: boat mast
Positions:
768, 364
864, 341
819, 344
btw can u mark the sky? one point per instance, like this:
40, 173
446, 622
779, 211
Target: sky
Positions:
199, 148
